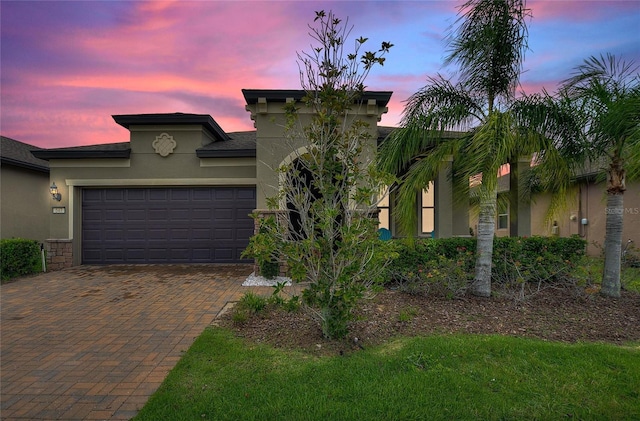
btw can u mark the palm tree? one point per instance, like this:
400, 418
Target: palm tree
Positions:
606, 91
488, 45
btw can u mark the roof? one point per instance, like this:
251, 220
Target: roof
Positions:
128, 120
240, 145
280, 95
108, 150
13, 152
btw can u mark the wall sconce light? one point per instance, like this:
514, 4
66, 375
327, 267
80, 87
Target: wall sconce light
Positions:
54, 192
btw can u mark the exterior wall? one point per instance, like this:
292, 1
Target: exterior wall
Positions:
588, 201
275, 147
26, 204
144, 168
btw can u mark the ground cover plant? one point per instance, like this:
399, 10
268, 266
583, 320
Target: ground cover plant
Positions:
463, 377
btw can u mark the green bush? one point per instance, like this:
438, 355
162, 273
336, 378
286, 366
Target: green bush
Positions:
19, 257
270, 269
445, 266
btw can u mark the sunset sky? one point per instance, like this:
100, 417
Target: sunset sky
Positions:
67, 66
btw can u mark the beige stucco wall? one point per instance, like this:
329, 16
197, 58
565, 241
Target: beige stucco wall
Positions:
276, 147
25, 203
588, 201
144, 168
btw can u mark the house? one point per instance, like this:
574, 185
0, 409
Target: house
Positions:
182, 189
24, 189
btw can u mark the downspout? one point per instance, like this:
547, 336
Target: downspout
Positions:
44, 261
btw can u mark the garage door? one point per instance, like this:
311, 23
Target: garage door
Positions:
166, 225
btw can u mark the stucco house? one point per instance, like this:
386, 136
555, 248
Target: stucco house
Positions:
583, 212
24, 187
181, 189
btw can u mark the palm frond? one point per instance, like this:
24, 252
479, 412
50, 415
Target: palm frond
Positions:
421, 171
429, 113
488, 42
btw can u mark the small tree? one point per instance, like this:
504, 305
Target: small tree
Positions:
328, 236
488, 43
606, 90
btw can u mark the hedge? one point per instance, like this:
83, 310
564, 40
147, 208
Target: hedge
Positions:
449, 262
19, 257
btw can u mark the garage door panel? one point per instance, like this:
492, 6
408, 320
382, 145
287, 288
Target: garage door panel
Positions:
157, 195
182, 214
114, 195
201, 234
135, 195
178, 195
157, 214
223, 234
224, 214
246, 194
114, 235
200, 214
135, 215
179, 234
114, 254
166, 225
202, 194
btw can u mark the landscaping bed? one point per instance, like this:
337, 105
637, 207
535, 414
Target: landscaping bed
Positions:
568, 314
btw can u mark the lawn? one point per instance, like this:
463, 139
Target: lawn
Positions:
462, 376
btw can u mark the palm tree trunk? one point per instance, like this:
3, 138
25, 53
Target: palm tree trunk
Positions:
484, 249
613, 245
613, 231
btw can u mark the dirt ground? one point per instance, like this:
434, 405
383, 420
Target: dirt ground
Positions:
566, 315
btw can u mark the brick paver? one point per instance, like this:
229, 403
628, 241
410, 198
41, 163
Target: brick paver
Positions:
94, 342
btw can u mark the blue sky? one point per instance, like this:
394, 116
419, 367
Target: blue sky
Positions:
66, 67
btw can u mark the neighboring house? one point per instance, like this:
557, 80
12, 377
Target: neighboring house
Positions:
583, 214
25, 202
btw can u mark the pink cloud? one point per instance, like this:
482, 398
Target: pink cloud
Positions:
582, 10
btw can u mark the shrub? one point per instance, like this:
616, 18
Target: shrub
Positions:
19, 257
269, 268
535, 259
445, 266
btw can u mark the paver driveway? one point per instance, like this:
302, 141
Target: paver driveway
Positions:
94, 342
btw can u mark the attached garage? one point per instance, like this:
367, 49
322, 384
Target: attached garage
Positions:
166, 225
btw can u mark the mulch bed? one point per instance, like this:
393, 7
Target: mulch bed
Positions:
565, 315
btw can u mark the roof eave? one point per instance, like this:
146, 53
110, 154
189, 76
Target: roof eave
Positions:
22, 164
128, 120
281, 95
235, 153
53, 154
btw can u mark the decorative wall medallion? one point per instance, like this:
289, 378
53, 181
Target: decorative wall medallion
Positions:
164, 144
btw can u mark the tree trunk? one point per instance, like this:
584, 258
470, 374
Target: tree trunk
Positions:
613, 233
484, 250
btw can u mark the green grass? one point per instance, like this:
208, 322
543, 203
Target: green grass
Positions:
591, 270
433, 378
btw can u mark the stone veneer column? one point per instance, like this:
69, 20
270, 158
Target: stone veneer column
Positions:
59, 253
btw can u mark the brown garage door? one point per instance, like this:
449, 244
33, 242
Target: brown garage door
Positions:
166, 225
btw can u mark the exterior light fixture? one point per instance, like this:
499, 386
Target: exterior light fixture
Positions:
54, 192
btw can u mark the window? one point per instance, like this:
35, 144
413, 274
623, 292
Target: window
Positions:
503, 215
427, 210
384, 214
